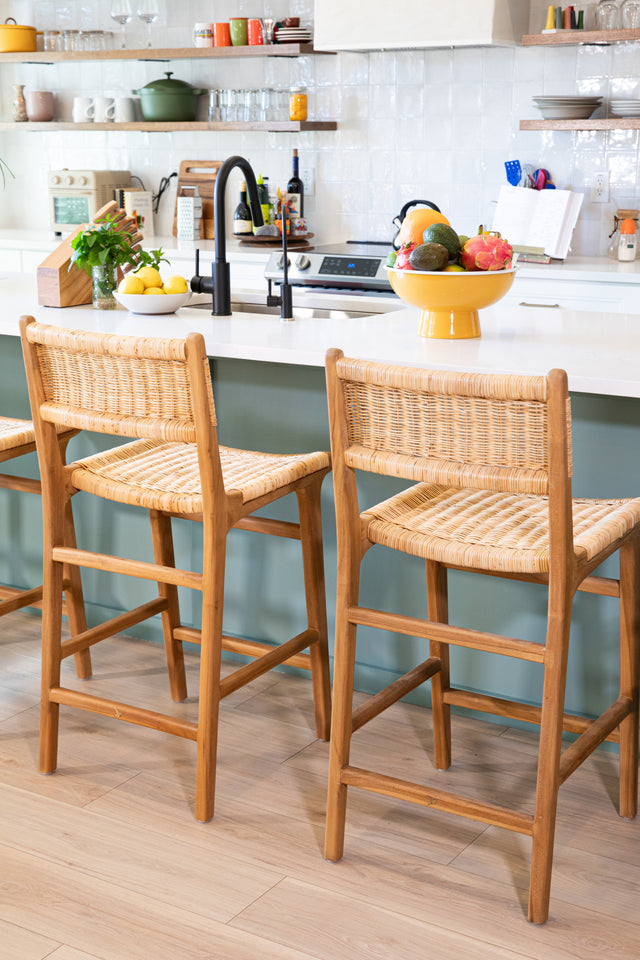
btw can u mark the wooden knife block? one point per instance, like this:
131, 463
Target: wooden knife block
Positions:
59, 286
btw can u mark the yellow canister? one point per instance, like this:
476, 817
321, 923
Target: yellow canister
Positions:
298, 103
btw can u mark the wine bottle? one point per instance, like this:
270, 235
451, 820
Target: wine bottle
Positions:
295, 191
242, 224
263, 197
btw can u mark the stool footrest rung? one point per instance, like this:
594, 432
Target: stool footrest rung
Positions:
446, 633
276, 655
512, 710
81, 641
132, 568
596, 733
124, 711
249, 648
395, 691
438, 799
13, 598
20, 484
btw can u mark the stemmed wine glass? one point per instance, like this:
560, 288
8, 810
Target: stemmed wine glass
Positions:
147, 12
121, 13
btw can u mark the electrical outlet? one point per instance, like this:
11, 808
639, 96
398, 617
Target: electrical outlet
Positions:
307, 177
600, 188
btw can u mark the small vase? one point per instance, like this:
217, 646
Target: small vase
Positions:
104, 279
19, 105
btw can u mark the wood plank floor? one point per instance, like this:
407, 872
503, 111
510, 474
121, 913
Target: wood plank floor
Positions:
104, 861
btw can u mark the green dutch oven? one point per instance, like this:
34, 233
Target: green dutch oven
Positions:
168, 99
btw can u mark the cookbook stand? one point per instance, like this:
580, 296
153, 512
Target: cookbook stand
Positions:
59, 286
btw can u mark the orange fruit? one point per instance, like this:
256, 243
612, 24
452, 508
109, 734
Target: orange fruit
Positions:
416, 222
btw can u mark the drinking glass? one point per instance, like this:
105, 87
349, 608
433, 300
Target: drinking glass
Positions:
121, 13
630, 12
148, 12
607, 15
228, 105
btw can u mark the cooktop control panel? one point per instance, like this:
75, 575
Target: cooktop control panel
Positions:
316, 268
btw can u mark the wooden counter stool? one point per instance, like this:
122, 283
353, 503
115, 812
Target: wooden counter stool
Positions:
17, 438
159, 391
492, 457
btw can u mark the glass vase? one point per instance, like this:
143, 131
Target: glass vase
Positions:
104, 282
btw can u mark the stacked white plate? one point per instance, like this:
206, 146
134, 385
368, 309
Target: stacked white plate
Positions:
567, 108
293, 35
625, 108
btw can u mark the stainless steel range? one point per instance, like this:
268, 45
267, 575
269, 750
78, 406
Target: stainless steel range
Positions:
354, 267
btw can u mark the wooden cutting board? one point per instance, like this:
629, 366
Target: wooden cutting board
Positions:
201, 174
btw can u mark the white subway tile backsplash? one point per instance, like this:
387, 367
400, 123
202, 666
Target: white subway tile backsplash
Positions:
436, 124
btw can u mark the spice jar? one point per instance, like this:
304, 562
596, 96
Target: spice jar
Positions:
298, 103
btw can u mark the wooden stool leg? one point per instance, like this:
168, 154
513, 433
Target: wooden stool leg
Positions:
163, 554
548, 779
313, 565
438, 607
343, 671
74, 599
54, 531
629, 674
210, 657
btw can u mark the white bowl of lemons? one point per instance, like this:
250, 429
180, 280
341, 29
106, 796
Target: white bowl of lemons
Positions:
145, 292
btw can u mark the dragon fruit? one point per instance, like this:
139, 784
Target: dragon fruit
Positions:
402, 260
486, 252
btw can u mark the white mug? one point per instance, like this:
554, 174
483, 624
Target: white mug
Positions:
100, 110
125, 111
80, 107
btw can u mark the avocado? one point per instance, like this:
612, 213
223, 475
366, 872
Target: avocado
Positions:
429, 256
444, 234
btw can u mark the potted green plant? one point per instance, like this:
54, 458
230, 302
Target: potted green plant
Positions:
101, 250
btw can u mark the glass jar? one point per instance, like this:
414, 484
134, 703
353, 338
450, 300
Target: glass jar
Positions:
607, 15
298, 103
104, 280
630, 13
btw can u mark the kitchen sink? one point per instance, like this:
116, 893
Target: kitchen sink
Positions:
299, 313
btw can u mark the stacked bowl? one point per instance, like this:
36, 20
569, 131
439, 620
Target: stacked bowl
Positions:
567, 108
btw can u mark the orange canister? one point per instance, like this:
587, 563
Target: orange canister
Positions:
298, 103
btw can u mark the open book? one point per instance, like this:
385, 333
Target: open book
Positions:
538, 218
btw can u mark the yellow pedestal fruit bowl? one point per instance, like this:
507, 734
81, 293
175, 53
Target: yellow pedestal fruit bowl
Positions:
450, 300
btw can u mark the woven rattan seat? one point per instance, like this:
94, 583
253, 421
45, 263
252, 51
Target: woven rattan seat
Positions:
17, 438
486, 529
490, 461
166, 476
158, 394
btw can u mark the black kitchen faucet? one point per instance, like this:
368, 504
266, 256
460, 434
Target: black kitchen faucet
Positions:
219, 284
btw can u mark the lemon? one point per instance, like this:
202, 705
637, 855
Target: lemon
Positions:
175, 284
154, 291
454, 268
131, 285
149, 276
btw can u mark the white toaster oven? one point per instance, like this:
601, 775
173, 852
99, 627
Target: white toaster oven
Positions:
75, 196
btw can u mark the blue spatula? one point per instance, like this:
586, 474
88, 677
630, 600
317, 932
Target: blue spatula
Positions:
514, 172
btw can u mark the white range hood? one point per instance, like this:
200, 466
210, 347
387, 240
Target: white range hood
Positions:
403, 24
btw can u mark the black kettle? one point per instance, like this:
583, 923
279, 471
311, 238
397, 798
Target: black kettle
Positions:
397, 221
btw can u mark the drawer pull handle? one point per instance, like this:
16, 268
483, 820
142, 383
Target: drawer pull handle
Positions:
523, 303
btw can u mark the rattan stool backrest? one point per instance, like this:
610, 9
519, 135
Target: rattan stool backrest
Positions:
125, 386
483, 431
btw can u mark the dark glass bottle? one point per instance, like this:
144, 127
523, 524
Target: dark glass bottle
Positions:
242, 225
295, 191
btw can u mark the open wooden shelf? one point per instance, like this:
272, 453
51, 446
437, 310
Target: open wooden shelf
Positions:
608, 123
170, 53
275, 126
565, 38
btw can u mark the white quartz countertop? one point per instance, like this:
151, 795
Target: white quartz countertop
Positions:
599, 351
